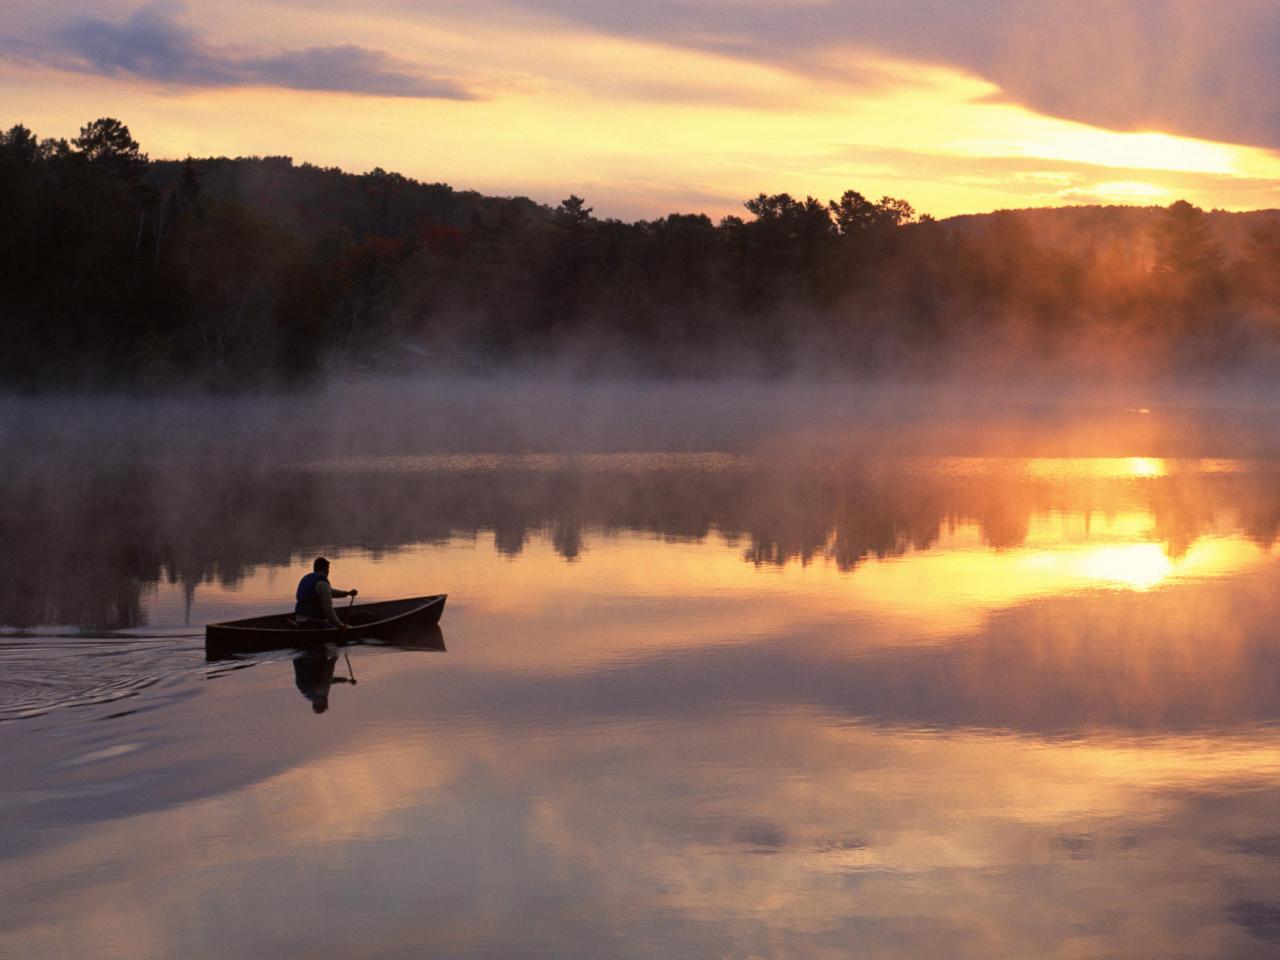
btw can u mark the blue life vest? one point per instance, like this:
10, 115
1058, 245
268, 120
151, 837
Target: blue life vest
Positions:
308, 604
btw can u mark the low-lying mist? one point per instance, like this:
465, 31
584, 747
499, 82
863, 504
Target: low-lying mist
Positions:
101, 497
806, 418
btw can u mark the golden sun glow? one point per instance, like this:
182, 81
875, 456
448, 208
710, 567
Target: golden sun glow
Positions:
1131, 191
1096, 468
1056, 140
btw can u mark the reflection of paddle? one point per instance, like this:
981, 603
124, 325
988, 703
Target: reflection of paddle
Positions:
344, 630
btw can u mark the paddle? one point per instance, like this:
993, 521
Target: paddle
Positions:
349, 606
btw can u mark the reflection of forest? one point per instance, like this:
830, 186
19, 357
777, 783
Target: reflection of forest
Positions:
84, 544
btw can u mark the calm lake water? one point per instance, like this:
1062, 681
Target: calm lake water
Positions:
772, 674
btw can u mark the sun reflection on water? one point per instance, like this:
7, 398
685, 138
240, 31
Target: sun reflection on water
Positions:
1138, 565
1097, 468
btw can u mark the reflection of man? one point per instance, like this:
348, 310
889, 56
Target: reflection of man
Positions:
315, 596
313, 673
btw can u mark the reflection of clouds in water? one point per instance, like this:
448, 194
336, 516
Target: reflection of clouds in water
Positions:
1055, 667
1261, 920
649, 838
1267, 846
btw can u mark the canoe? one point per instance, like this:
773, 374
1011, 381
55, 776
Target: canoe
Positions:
387, 620
422, 639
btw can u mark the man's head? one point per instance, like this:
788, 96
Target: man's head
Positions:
321, 565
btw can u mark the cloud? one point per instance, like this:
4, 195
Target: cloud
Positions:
351, 68
153, 44
1179, 66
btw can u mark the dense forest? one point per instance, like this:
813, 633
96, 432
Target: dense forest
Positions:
120, 271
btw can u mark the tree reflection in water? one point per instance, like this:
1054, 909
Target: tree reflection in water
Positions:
85, 545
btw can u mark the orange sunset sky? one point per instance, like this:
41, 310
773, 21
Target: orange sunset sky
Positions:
648, 108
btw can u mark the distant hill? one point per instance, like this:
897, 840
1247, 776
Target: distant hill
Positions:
310, 198
388, 204
1081, 229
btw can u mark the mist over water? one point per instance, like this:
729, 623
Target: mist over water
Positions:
768, 669
105, 498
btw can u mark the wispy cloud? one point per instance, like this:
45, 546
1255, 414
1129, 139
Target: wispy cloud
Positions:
154, 44
1179, 66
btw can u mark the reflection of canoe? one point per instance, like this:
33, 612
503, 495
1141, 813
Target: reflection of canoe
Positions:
390, 620
426, 638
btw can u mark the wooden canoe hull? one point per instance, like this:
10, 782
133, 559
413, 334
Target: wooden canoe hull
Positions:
388, 620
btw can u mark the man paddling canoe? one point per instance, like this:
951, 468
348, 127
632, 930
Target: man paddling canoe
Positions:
315, 596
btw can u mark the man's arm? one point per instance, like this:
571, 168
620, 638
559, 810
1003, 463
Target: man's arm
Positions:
325, 595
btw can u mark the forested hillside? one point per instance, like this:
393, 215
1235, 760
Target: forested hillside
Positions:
233, 274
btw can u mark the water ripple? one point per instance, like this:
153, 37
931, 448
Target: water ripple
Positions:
45, 672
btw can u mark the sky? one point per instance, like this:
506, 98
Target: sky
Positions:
650, 108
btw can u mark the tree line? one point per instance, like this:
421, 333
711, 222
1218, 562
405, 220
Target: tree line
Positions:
120, 271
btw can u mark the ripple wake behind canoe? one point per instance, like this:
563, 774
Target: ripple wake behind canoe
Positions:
42, 673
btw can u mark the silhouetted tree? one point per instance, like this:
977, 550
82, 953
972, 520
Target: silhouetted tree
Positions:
107, 142
854, 214
19, 144
574, 210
